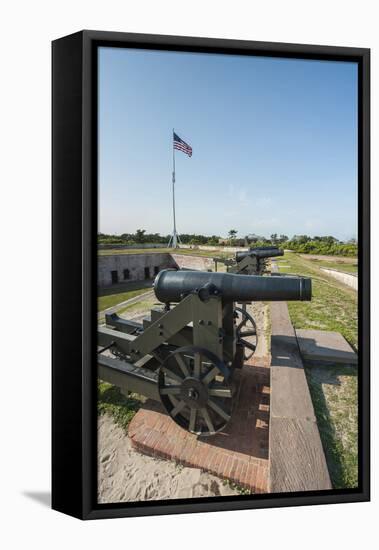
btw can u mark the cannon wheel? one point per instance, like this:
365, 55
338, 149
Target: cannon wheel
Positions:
194, 389
246, 332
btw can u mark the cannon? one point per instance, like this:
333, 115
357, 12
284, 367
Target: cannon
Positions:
251, 262
259, 253
271, 247
187, 353
255, 261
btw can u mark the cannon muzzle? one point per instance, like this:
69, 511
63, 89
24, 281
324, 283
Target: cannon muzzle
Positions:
259, 253
173, 286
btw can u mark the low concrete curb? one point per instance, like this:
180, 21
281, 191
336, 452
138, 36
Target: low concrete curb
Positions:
325, 347
349, 279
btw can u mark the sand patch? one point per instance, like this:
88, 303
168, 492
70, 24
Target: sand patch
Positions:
261, 315
124, 475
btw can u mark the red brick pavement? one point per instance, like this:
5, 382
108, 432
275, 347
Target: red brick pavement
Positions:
239, 454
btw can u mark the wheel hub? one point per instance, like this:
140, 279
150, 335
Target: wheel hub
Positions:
194, 393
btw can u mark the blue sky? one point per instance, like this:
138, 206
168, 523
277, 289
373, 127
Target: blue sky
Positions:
274, 144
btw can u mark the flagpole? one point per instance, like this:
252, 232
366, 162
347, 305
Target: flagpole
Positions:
174, 238
175, 243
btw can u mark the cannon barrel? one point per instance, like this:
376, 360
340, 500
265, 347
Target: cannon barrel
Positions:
259, 253
263, 248
172, 286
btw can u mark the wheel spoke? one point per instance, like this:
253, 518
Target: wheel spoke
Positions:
172, 375
218, 410
197, 365
182, 364
171, 390
247, 323
248, 345
241, 324
173, 400
220, 392
246, 333
178, 408
192, 422
210, 376
208, 420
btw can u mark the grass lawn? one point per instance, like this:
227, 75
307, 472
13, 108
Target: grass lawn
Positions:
333, 388
110, 300
333, 306
186, 251
143, 305
334, 392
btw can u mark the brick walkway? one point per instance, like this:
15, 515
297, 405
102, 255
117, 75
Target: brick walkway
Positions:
240, 454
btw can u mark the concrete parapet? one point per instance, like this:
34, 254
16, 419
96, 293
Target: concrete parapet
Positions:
349, 279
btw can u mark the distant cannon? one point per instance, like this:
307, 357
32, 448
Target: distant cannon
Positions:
251, 262
259, 253
266, 248
186, 355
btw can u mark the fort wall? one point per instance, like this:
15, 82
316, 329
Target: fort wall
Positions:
120, 268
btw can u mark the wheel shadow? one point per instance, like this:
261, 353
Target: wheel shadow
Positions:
248, 430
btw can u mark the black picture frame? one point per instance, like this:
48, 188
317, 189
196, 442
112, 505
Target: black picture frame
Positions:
74, 205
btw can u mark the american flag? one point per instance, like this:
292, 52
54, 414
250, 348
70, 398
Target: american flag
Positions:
181, 145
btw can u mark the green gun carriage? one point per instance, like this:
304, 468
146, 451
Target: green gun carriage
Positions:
187, 352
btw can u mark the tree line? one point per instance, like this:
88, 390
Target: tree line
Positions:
141, 237
304, 244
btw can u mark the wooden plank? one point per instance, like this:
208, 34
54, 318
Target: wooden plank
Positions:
297, 459
291, 397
